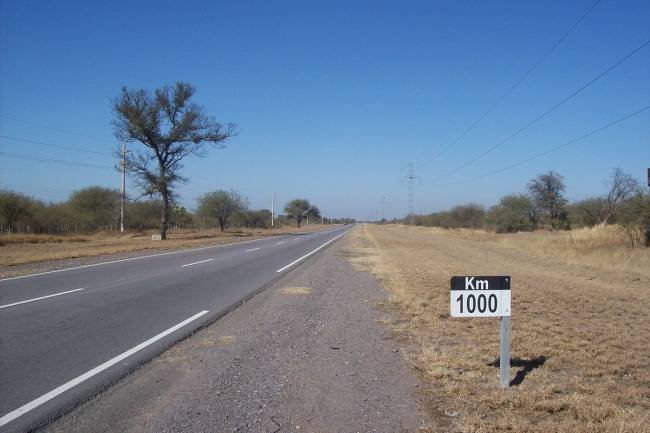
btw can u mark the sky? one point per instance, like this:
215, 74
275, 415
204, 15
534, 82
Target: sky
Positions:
333, 99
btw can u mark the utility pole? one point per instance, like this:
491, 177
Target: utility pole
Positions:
123, 195
411, 177
383, 207
272, 208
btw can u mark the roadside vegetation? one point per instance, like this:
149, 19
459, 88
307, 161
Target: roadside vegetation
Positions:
579, 326
624, 206
87, 224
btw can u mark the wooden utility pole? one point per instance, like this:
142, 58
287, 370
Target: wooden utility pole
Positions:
123, 192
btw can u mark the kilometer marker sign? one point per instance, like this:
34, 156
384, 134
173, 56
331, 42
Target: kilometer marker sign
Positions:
473, 296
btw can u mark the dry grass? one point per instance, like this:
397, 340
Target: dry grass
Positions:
580, 337
20, 248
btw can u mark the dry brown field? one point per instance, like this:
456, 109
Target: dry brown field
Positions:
580, 326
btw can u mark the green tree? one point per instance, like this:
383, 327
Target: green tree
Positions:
587, 212
180, 216
298, 209
471, 216
313, 213
95, 207
221, 205
14, 208
142, 215
170, 127
513, 213
259, 219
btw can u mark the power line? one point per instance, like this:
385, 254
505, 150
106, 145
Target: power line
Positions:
545, 113
54, 161
514, 86
58, 146
53, 128
33, 189
553, 149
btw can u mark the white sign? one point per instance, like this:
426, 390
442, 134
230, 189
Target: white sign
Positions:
473, 296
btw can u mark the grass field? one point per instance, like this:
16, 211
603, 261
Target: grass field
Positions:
20, 249
580, 326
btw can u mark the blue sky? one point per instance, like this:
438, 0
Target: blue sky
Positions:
333, 98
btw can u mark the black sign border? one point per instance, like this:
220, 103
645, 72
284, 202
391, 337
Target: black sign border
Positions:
495, 282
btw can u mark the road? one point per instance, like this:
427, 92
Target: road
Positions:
66, 335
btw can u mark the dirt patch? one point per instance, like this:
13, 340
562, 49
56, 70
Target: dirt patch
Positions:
295, 290
580, 344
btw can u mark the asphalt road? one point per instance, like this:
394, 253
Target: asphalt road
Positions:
66, 335
311, 353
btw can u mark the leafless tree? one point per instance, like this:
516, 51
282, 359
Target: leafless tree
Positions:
622, 187
171, 128
547, 193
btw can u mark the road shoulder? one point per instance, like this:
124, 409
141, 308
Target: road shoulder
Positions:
309, 353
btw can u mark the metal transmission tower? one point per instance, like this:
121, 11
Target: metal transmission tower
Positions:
383, 208
411, 178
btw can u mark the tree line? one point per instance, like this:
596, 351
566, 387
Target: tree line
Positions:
169, 127
97, 209
545, 206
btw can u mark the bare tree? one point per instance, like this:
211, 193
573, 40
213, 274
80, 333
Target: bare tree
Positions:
171, 128
622, 187
547, 192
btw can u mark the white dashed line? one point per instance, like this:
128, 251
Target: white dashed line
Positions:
252, 249
42, 297
196, 263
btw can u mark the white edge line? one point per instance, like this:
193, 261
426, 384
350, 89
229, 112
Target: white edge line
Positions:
196, 263
87, 375
310, 253
253, 249
42, 297
133, 258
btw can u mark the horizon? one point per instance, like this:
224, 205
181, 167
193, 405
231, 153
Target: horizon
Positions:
332, 103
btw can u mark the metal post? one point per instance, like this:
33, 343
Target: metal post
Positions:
504, 364
123, 164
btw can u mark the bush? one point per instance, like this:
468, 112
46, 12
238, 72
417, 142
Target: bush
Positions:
514, 213
15, 210
634, 217
471, 216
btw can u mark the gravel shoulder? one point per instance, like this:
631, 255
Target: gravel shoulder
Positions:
309, 353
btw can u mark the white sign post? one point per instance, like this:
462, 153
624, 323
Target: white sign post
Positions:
473, 296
